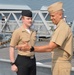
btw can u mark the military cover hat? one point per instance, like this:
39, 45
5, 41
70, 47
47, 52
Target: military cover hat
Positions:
55, 7
27, 13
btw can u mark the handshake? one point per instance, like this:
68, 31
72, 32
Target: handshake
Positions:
25, 47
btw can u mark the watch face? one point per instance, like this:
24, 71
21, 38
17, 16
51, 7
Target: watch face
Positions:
32, 49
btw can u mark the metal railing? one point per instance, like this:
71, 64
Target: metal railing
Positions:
41, 22
42, 69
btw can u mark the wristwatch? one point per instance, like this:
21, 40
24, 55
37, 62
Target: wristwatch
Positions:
32, 49
12, 63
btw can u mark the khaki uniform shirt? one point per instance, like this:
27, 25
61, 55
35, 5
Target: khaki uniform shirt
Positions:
62, 36
20, 35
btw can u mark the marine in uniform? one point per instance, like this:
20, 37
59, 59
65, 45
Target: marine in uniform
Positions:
25, 63
61, 42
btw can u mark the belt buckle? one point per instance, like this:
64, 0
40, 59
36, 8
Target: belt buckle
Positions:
31, 57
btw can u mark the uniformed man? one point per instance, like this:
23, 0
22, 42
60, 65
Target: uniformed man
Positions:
25, 63
60, 43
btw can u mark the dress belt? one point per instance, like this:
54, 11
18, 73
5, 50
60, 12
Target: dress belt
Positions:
29, 57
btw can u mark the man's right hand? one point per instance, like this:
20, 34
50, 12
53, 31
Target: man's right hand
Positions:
23, 47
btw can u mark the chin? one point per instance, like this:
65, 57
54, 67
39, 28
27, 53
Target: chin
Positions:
29, 25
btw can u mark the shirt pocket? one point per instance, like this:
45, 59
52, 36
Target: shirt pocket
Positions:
24, 39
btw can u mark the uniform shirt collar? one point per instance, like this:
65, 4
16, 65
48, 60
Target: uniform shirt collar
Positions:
24, 30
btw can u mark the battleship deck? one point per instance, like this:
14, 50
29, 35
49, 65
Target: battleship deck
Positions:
41, 58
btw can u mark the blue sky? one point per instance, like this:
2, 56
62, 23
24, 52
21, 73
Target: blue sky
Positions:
37, 4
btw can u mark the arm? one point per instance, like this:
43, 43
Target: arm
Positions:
45, 48
12, 60
13, 43
11, 52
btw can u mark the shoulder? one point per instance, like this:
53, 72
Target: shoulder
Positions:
33, 30
64, 25
65, 28
16, 31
